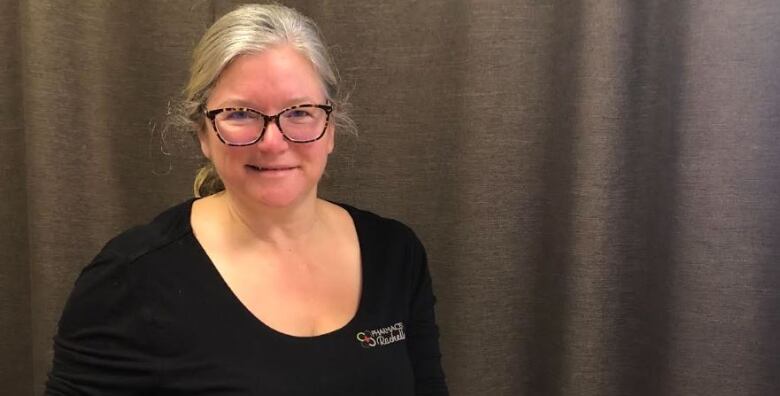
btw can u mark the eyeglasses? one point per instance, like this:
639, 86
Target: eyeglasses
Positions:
242, 126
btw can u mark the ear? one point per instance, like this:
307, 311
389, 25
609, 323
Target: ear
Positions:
203, 138
331, 137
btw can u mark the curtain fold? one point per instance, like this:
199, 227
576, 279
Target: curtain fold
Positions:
597, 183
15, 315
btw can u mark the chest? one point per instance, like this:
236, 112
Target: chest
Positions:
298, 294
215, 345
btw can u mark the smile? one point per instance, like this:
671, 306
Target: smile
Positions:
271, 169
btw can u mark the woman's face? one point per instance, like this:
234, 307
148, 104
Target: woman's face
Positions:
274, 171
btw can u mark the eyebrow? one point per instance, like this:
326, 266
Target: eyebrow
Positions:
298, 100
236, 103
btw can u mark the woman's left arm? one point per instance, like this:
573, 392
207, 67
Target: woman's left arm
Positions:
422, 331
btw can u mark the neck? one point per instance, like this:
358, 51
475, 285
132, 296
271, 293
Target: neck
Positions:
282, 228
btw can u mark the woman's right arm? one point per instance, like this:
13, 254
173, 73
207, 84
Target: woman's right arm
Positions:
103, 344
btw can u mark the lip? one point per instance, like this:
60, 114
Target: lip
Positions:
271, 168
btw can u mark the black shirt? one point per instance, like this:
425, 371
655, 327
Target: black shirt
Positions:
151, 315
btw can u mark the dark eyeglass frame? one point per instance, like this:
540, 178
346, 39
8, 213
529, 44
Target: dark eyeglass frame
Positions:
212, 115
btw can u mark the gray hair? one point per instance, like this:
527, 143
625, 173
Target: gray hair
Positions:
251, 29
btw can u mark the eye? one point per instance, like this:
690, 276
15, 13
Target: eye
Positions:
238, 115
298, 113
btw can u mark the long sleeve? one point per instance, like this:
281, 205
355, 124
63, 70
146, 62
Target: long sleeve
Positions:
103, 342
422, 332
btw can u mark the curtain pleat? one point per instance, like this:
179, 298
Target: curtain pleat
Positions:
15, 316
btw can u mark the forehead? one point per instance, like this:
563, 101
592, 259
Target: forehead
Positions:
278, 77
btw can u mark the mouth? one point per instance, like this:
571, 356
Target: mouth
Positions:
270, 169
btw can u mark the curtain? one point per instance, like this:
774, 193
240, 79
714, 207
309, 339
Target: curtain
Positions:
597, 183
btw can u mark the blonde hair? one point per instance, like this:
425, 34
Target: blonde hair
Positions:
251, 29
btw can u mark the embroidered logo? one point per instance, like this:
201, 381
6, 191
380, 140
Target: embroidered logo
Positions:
381, 336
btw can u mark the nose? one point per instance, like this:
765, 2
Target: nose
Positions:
272, 140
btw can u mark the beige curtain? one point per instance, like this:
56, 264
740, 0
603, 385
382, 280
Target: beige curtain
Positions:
597, 182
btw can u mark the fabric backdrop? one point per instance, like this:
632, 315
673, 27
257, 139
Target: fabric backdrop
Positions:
597, 182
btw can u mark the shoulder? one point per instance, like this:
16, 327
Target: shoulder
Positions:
116, 277
391, 248
372, 225
115, 258
137, 241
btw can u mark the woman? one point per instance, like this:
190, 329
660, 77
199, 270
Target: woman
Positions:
259, 286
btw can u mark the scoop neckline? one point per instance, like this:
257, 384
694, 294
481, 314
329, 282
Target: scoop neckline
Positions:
236, 302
